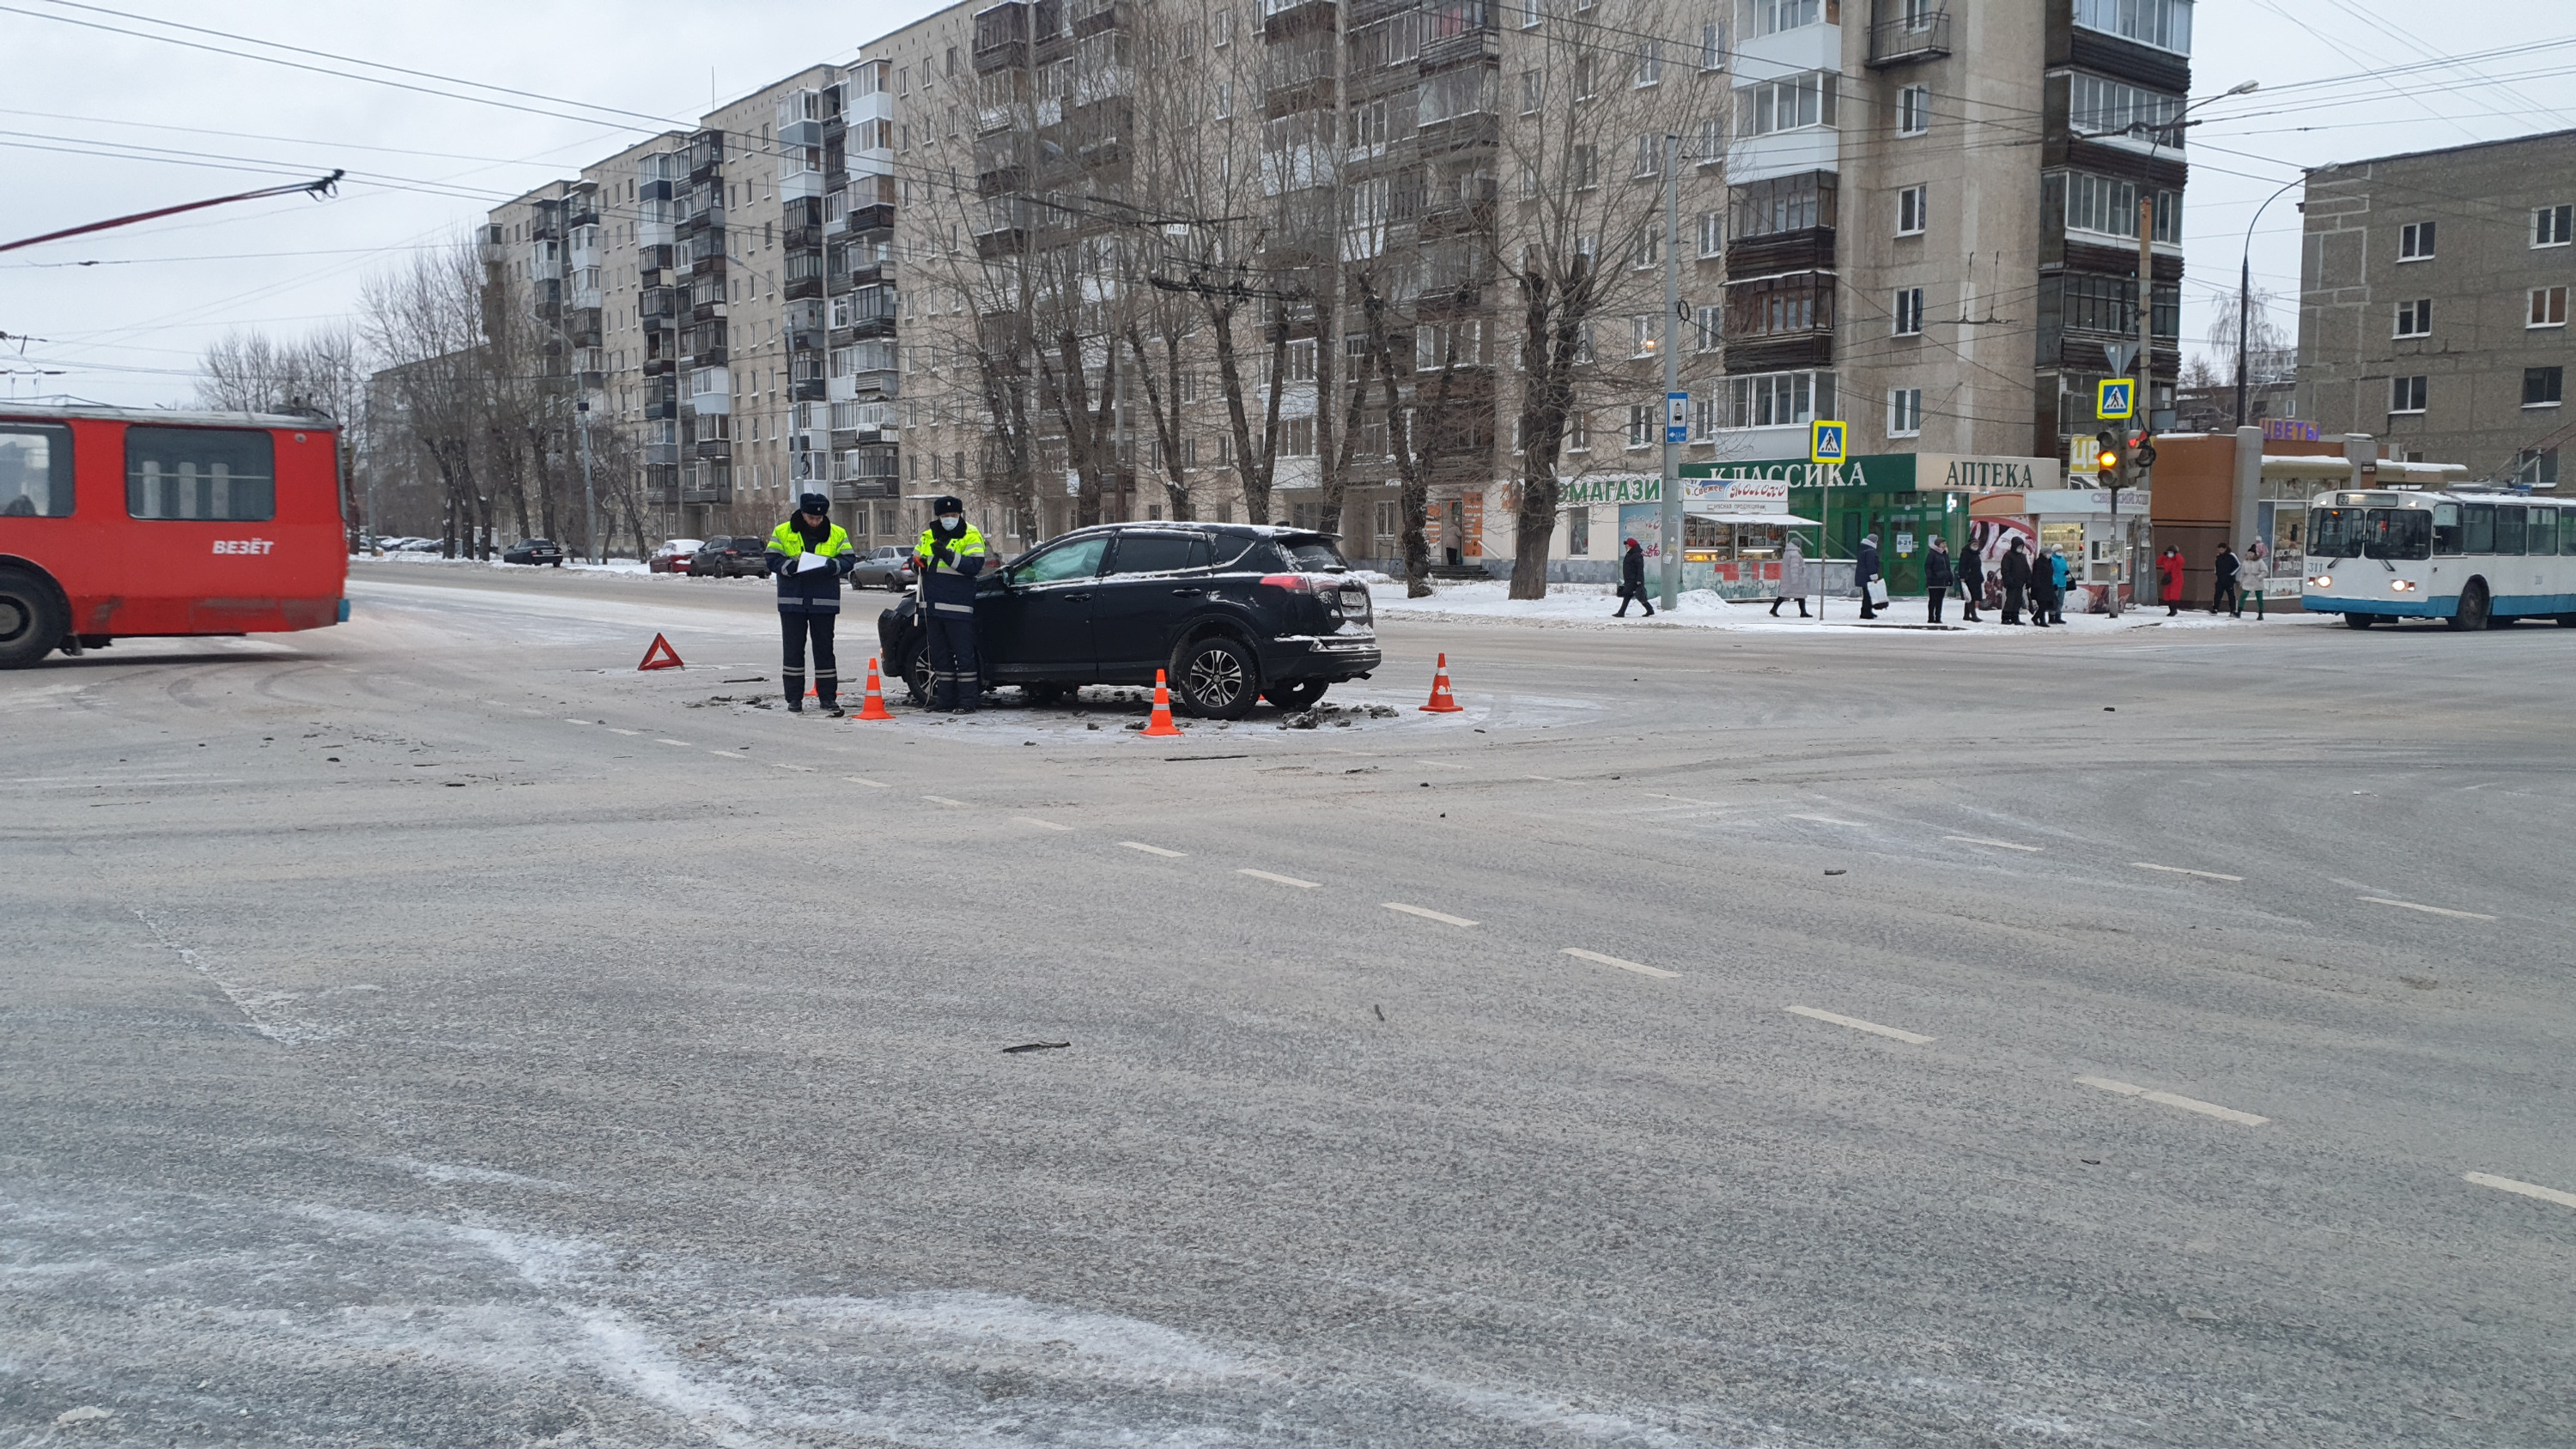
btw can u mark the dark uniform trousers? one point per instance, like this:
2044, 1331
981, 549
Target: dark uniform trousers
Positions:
954, 683
794, 629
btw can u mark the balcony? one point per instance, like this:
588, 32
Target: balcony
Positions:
855, 490
811, 389
712, 449
1001, 36
707, 490
1905, 41
661, 455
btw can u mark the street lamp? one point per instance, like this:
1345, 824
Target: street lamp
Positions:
2245, 292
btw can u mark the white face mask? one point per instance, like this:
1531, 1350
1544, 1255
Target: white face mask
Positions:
948, 520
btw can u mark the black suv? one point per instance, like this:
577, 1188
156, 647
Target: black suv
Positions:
728, 558
1234, 612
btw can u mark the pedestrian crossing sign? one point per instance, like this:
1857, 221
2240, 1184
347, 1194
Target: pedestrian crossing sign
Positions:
2115, 397
1825, 442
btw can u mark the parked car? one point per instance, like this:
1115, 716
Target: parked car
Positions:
533, 551
673, 556
1233, 612
409, 545
888, 567
727, 558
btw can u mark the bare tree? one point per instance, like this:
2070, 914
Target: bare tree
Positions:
425, 321
2271, 355
325, 372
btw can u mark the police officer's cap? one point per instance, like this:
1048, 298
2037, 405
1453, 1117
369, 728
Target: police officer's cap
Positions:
814, 503
950, 503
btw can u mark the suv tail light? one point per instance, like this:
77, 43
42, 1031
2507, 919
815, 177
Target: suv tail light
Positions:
1323, 588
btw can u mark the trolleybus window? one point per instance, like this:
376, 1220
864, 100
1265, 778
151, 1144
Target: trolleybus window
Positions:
35, 471
2446, 528
2478, 528
2542, 537
2390, 533
2509, 529
200, 473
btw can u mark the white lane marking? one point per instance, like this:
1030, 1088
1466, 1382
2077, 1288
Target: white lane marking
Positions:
614, 730
2527, 1189
2188, 1104
1829, 820
783, 765
2180, 870
1643, 970
1856, 1024
729, 754
1286, 880
1428, 915
1685, 799
944, 800
1040, 824
580, 721
1551, 779
1439, 764
1981, 840
871, 784
2428, 910
683, 744
1153, 849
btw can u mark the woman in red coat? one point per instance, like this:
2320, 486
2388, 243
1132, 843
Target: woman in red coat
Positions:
2169, 572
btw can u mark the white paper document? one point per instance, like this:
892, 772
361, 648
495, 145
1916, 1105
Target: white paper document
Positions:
806, 561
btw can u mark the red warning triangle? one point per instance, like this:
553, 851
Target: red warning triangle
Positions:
661, 655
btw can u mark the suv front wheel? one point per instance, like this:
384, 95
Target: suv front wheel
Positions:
1215, 677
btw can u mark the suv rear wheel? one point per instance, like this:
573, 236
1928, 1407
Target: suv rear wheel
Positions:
30, 623
1215, 677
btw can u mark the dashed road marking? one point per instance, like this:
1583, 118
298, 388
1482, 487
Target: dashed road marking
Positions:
1286, 880
1684, 799
1040, 824
1551, 779
871, 784
1153, 849
1856, 1024
2188, 1104
1428, 914
614, 730
580, 721
683, 744
1640, 968
2527, 1189
2428, 910
783, 765
1440, 764
729, 754
944, 800
1829, 820
1997, 844
2182, 870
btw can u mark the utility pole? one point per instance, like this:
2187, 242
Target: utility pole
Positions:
2144, 398
589, 494
1672, 512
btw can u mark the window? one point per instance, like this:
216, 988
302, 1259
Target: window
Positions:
1585, 86
1709, 147
1221, 28
2538, 467
1712, 240
1646, 248
2548, 307
2511, 528
2542, 537
1079, 559
1641, 425
1785, 105
2096, 106
1913, 110
1530, 14
2543, 387
1299, 437
35, 471
2164, 24
1770, 17
1784, 204
2406, 394
1650, 63
1905, 412
1578, 431
1533, 91
1710, 323
2415, 319
1650, 155
2415, 241
1781, 306
2551, 225
1301, 361
2477, 528
2100, 204
1140, 552
1779, 399
1712, 45
200, 473
2109, 305
1578, 532
1911, 204
1909, 311
1707, 412
1587, 167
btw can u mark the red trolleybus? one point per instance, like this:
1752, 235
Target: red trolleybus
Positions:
128, 522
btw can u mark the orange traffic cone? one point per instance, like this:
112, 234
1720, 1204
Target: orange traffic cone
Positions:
1161, 726
660, 656
873, 707
1442, 702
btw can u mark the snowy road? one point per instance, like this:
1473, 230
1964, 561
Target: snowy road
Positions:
432, 1031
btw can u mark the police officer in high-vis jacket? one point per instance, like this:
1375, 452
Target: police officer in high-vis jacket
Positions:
950, 555
810, 554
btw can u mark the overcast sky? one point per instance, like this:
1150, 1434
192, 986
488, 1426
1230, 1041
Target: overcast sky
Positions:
423, 167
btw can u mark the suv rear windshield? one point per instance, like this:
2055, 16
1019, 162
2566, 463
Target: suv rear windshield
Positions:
1307, 551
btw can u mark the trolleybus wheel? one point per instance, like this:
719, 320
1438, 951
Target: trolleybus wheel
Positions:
31, 621
2473, 606
2360, 621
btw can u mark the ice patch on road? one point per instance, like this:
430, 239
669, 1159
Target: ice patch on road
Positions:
1537, 1411
1128, 1349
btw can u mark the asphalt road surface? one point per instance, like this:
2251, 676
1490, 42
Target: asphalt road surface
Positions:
433, 1032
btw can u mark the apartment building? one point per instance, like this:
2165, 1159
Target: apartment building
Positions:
2433, 294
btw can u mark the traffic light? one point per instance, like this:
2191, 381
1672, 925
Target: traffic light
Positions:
2142, 449
2108, 455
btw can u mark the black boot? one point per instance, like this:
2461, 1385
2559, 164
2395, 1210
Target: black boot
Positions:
1776, 603
793, 686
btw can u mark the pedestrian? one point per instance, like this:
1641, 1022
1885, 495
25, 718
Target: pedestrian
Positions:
1865, 573
1793, 579
1936, 576
2057, 582
2041, 604
1632, 579
1972, 581
2016, 572
949, 556
810, 554
2225, 567
2169, 579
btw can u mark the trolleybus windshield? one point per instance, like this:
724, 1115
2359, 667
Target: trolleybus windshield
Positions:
2382, 533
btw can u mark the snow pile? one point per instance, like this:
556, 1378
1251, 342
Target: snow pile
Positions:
1592, 606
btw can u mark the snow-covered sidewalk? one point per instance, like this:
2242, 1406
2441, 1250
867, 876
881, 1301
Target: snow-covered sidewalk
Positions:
1591, 606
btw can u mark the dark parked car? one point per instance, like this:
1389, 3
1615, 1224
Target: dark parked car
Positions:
887, 567
533, 551
1231, 611
728, 558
